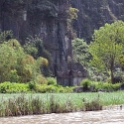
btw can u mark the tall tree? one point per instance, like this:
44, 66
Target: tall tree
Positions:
107, 46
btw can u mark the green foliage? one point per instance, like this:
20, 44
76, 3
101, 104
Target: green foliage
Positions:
86, 84
8, 87
17, 66
52, 89
72, 12
18, 106
8, 59
41, 9
32, 85
92, 86
29, 69
106, 86
51, 81
107, 46
81, 51
5, 36
39, 79
97, 75
13, 76
35, 47
22, 106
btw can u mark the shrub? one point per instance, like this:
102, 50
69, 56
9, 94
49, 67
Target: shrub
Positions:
39, 79
86, 84
32, 85
45, 88
106, 86
51, 81
5, 36
52, 89
8, 87
13, 76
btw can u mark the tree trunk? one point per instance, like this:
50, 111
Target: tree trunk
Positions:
111, 69
112, 76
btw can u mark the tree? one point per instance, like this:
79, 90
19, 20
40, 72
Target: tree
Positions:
107, 46
80, 51
18, 66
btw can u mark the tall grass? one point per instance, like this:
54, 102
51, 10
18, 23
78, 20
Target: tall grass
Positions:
28, 104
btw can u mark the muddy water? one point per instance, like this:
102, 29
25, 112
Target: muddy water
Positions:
106, 116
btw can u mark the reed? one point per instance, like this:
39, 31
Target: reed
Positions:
29, 104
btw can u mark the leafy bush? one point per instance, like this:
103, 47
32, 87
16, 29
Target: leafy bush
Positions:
86, 84
107, 86
35, 47
5, 36
8, 87
13, 76
52, 89
39, 79
32, 85
97, 86
51, 81
17, 66
45, 88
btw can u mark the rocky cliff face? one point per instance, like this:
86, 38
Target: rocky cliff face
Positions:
94, 14
50, 23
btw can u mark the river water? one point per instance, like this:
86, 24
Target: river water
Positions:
107, 116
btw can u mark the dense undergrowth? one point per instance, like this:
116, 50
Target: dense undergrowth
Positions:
52, 87
8, 87
89, 85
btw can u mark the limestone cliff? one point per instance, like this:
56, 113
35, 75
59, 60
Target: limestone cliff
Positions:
48, 20
94, 14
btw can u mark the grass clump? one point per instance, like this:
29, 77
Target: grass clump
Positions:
93, 105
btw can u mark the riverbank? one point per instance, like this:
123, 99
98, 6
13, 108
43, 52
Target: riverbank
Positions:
110, 115
33, 104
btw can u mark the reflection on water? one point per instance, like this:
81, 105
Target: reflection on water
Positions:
110, 116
